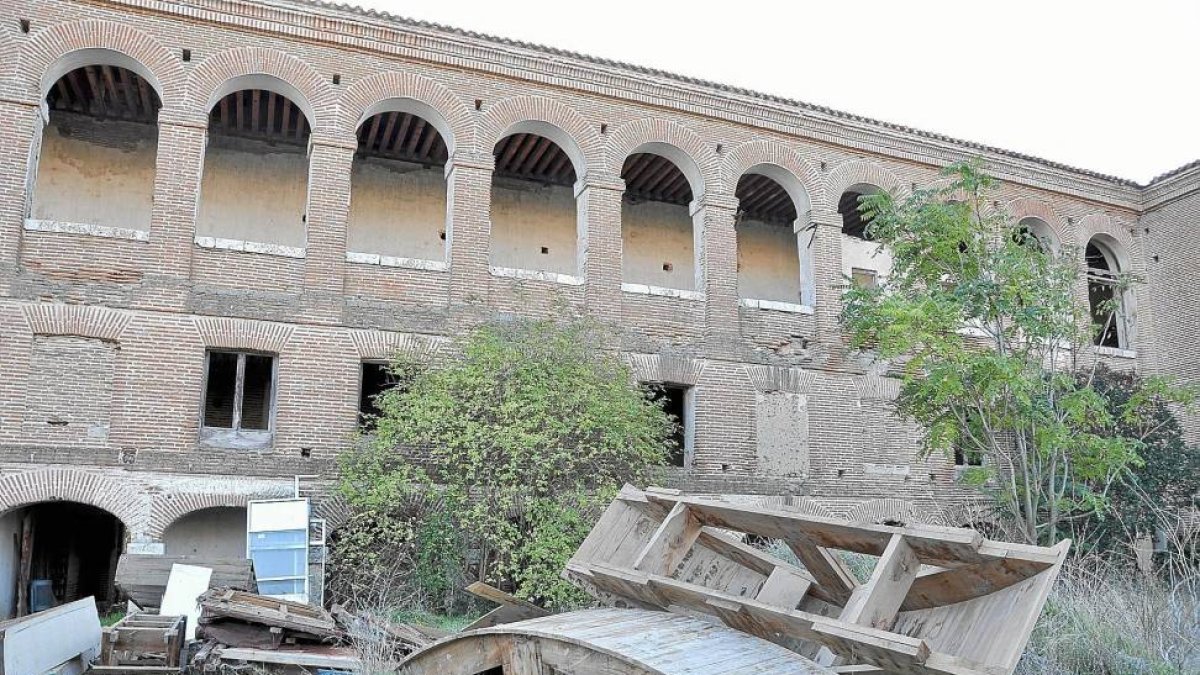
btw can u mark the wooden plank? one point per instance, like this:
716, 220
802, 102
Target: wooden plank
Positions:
135, 669
784, 588
488, 592
876, 603
291, 658
523, 658
830, 573
144, 577
932, 544
669, 543
891, 652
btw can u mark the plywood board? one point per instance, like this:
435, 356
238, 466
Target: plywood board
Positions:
184, 588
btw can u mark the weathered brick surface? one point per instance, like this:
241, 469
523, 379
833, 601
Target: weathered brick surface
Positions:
136, 316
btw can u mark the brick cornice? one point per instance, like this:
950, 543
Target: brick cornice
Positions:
388, 35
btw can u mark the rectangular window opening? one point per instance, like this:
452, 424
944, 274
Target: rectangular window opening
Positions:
676, 401
967, 457
239, 391
377, 379
864, 278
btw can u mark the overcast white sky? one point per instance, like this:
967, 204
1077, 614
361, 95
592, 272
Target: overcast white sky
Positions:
1108, 86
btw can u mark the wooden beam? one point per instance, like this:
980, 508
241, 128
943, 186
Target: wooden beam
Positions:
97, 94
826, 567
635, 166
669, 543
415, 137
876, 603
372, 126
932, 544
784, 588
255, 98
287, 116
147, 100
271, 106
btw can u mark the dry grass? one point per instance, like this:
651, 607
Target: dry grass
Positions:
1102, 620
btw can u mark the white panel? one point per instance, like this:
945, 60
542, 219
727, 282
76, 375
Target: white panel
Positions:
185, 585
44, 641
277, 514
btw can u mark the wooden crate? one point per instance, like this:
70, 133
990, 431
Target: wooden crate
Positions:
143, 640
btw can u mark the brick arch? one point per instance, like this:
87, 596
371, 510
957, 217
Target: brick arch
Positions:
374, 344
804, 506
674, 141
859, 172
965, 515
1114, 231
546, 117
259, 67
1027, 207
88, 321
8, 55
395, 91
880, 510
335, 510
230, 333
57, 50
172, 507
758, 153
73, 485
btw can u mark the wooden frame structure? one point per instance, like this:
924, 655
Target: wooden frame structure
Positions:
149, 642
940, 600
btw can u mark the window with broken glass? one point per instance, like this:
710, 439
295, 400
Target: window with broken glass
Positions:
1104, 298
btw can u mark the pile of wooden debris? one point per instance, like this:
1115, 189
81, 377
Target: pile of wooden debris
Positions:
238, 628
695, 597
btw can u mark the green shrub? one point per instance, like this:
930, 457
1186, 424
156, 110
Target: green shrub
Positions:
521, 438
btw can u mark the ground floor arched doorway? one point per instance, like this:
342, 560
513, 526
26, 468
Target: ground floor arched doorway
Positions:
57, 552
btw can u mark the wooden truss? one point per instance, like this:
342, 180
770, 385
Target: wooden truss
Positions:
939, 600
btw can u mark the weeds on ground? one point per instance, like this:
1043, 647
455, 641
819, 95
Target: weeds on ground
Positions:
1102, 619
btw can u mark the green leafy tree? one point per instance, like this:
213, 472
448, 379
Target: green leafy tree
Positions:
985, 325
1163, 486
523, 437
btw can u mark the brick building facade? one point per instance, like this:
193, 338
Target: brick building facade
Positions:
196, 260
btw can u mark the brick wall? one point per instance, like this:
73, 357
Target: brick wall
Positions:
173, 298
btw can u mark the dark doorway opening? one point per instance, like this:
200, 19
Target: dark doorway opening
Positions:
674, 401
65, 551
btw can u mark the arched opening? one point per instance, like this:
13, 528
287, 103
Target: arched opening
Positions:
657, 230
534, 217
217, 532
864, 262
56, 552
1106, 299
1036, 233
98, 150
771, 257
255, 183
398, 188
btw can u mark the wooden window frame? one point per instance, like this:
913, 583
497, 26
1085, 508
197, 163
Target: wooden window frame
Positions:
236, 436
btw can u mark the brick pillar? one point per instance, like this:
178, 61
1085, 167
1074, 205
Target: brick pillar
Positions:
598, 205
179, 165
329, 164
20, 138
716, 263
468, 235
828, 281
